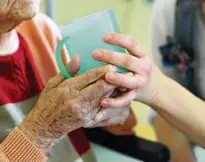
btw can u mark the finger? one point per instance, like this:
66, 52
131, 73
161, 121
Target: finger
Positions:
106, 113
122, 89
118, 59
87, 106
119, 119
126, 42
96, 91
55, 81
123, 100
74, 65
87, 78
110, 122
89, 115
89, 124
130, 82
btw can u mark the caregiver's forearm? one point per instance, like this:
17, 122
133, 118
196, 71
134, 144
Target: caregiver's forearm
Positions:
181, 109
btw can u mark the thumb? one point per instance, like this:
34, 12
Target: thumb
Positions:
74, 65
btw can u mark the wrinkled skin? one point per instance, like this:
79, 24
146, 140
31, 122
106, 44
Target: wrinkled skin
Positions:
66, 105
13, 12
112, 116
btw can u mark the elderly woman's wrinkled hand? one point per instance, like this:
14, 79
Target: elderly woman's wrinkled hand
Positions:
66, 105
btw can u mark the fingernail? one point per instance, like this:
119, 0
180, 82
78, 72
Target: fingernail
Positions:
97, 53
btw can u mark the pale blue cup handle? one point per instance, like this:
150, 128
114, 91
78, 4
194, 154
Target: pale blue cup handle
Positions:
59, 60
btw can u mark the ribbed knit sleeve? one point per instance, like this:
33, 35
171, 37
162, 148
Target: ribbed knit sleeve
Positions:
17, 148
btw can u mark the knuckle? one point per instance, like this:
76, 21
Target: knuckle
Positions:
75, 106
126, 64
128, 61
75, 109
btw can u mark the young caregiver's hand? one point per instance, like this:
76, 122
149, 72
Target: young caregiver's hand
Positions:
108, 116
66, 105
138, 62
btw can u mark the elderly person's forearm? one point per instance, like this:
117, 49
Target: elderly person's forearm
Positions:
17, 147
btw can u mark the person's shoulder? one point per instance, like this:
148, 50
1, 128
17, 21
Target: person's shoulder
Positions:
40, 24
40, 27
45, 23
